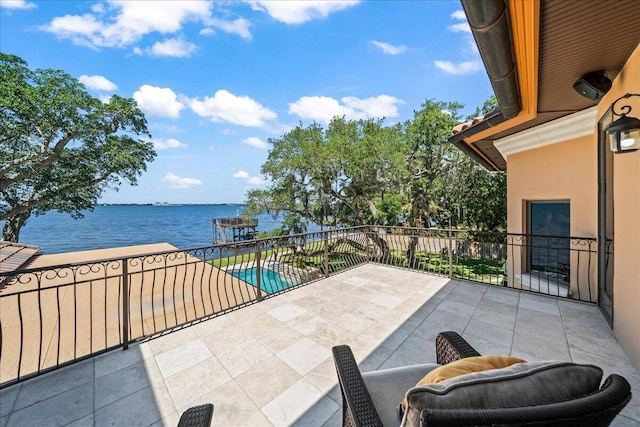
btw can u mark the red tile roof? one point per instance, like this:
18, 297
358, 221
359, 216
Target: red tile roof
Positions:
463, 126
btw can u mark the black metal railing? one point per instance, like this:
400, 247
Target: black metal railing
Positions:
551, 265
56, 315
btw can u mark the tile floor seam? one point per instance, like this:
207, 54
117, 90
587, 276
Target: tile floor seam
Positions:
164, 382
515, 324
411, 333
564, 327
474, 310
15, 400
13, 411
10, 413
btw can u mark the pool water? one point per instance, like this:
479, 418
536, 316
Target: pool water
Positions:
270, 281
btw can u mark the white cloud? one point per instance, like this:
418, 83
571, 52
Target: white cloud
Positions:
255, 142
17, 4
241, 174
158, 101
253, 180
98, 83
238, 26
176, 182
163, 144
128, 21
473, 63
462, 27
227, 107
459, 15
256, 180
461, 68
389, 48
177, 48
297, 12
323, 109
98, 8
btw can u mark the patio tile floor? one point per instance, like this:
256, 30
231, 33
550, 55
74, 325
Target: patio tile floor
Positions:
270, 363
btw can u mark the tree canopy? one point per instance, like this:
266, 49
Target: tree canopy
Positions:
363, 172
61, 148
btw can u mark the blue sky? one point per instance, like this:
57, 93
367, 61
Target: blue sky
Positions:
217, 79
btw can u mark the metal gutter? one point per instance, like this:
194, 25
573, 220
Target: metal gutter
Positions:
489, 22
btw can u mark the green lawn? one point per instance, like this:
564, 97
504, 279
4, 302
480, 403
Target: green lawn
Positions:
344, 256
479, 270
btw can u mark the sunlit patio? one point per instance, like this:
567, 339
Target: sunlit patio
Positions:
270, 363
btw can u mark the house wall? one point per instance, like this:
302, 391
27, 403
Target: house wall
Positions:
561, 171
626, 207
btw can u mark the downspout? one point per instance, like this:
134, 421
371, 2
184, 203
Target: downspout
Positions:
489, 22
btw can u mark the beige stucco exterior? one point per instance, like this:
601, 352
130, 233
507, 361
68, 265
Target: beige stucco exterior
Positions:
568, 170
626, 208
565, 171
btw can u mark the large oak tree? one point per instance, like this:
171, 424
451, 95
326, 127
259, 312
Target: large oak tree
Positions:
337, 176
61, 148
362, 172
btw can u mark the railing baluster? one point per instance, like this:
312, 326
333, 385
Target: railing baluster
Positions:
450, 255
258, 272
125, 304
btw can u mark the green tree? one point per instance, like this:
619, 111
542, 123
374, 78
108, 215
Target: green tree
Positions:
60, 148
337, 176
487, 106
427, 158
471, 196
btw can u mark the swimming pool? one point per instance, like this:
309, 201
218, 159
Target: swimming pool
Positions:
270, 281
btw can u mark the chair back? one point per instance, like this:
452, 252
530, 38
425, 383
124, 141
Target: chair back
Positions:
593, 410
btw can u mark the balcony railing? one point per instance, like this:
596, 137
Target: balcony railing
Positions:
54, 316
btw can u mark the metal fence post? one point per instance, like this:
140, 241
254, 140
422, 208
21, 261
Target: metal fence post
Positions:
367, 251
125, 304
326, 254
258, 272
450, 255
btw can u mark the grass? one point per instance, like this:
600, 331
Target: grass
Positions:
341, 257
479, 270
240, 258
344, 256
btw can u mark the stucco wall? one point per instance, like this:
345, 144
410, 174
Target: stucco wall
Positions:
626, 205
562, 171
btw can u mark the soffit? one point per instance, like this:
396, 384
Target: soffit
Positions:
576, 37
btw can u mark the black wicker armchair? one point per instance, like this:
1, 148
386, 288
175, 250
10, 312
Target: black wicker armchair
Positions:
197, 416
598, 408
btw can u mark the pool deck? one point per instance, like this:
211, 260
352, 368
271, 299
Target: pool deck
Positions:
270, 363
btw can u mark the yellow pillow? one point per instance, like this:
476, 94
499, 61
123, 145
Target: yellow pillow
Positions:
466, 366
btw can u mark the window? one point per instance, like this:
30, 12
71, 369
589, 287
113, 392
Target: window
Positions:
549, 228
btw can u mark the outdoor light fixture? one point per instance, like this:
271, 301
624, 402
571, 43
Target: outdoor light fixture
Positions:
624, 133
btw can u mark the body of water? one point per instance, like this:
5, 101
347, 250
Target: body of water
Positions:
183, 226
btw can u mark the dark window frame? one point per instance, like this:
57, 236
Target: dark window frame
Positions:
545, 256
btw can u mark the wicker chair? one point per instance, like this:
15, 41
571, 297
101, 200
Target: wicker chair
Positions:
596, 409
197, 416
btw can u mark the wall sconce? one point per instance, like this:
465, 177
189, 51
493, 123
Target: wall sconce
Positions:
624, 133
